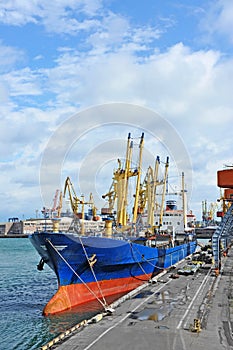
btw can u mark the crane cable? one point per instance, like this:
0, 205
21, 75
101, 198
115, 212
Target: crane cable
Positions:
105, 306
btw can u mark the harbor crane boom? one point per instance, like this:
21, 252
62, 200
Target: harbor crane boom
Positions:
74, 200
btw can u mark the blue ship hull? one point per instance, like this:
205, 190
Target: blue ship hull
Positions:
96, 267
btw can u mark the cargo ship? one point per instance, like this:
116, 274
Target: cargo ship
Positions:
117, 259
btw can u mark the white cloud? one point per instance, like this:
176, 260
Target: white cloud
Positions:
59, 16
9, 56
120, 62
219, 19
224, 22
23, 82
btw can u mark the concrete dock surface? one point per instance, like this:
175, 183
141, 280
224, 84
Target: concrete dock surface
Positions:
187, 312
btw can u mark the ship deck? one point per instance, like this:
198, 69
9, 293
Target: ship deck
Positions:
161, 315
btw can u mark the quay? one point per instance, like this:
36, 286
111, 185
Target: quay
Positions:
175, 312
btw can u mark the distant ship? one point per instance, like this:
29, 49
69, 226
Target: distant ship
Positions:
107, 263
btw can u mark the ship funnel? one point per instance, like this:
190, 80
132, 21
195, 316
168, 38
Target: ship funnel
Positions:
171, 205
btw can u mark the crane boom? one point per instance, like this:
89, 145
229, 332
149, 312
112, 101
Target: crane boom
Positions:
74, 200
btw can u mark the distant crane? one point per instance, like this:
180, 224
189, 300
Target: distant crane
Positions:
208, 211
55, 211
57, 204
74, 200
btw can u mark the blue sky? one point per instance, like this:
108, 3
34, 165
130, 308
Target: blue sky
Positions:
58, 59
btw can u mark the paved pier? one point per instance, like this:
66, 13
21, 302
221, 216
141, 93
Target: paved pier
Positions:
162, 316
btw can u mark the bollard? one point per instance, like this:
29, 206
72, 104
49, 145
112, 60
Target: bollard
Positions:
196, 326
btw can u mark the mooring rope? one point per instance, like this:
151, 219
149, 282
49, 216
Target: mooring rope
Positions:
76, 274
93, 272
146, 260
138, 261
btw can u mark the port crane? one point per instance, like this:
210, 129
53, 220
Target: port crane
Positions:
55, 211
57, 204
208, 211
75, 202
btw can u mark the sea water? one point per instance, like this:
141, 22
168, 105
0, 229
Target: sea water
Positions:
24, 291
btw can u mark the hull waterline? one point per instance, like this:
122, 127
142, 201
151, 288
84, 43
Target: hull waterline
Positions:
73, 295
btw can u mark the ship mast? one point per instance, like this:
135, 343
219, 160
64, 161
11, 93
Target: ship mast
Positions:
163, 194
152, 193
184, 201
123, 185
135, 208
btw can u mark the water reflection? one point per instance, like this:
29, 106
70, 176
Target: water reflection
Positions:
158, 308
59, 323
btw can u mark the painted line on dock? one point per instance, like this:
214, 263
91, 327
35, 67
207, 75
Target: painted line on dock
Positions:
193, 299
118, 302
126, 316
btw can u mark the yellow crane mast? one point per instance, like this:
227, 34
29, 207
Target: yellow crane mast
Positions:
59, 206
143, 193
122, 177
118, 191
92, 205
163, 193
111, 197
139, 170
151, 202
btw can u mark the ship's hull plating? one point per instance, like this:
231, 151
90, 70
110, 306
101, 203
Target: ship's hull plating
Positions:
92, 267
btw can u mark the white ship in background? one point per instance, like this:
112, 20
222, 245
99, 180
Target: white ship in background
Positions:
172, 220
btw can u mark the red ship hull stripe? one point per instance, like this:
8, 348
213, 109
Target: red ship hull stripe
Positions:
76, 294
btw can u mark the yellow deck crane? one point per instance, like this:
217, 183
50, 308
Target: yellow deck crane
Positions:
163, 193
139, 170
118, 191
111, 197
151, 190
147, 194
143, 193
121, 176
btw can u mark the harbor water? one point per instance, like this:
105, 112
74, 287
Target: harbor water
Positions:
24, 291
